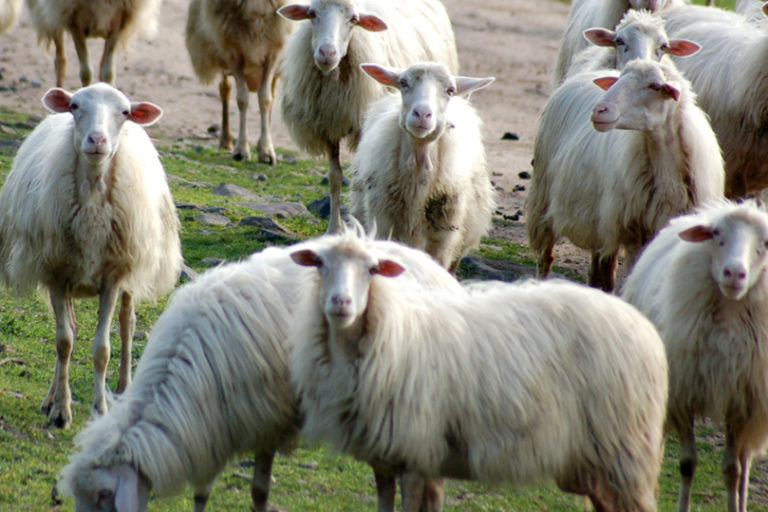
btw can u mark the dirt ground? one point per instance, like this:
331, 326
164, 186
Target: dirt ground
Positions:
513, 40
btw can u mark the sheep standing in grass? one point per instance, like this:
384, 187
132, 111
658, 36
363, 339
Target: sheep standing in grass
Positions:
420, 173
639, 35
243, 39
729, 77
86, 211
585, 14
438, 382
703, 282
116, 21
325, 93
659, 158
9, 13
213, 382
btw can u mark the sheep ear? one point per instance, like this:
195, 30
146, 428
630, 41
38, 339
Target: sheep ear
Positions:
132, 492
57, 100
600, 36
389, 268
386, 76
295, 12
696, 234
606, 82
671, 90
306, 258
765, 8
466, 85
682, 48
371, 23
144, 113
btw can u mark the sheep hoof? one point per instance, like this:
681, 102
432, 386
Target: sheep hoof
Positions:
59, 418
240, 156
267, 158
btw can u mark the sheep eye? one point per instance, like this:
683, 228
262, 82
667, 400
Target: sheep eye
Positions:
355, 19
664, 47
126, 113
655, 87
715, 232
765, 244
620, 42
403, 83
451, 91
74, 106
311, 14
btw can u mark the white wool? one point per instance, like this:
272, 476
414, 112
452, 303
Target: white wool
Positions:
9, 13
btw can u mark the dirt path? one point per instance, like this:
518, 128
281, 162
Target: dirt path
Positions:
513, 40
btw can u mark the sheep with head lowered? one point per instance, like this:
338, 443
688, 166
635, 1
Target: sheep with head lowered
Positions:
325, 93
650, 156
86, 211
115, 21
419, 172
213, 382
438, 382
639, 35
243, 39
585, 14
703, 282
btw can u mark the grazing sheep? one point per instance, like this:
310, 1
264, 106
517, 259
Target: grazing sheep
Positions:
213, 382
86, 211
9, 13
585, 14
420, 174
325, 93
605, 191
728, 75
703, 282
440, 384
116, 21
639, 35
243, 39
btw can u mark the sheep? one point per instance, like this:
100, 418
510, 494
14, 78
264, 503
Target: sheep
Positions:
419, 172
116, 21
595, 13
86, 211
610, 190
9, 13
325, 93
439, 383
242, 39
213, 382
639, 35
728, 77
703, 283
754, 10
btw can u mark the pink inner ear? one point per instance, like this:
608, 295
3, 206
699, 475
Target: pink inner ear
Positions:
672, 91
600, 36
294, 12
682, 48
144, 113
696, 234
371, 23
57, 100
389, 268
306, 258
381, 74
606, 82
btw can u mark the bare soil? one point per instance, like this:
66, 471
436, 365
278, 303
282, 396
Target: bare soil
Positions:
514, 40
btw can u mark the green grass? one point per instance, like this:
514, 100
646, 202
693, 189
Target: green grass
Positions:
310, 478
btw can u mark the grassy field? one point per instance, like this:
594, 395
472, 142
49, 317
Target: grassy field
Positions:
310, 478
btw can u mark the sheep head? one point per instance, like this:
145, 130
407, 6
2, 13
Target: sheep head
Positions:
109, 489
739, 248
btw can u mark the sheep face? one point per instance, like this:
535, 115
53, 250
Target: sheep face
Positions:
117, 489
346, 272
426, 89
641, 98
332, 24
99, 112
739, 244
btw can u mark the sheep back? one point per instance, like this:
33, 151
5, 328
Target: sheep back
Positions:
318, 110
72, 243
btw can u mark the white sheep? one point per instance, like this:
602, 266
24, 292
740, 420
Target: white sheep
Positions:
419, 173
605, 191
86, 211
703, 282
116, 21
213, 382
325, 93
585, 14
242, 39
440, 383
9, 13
639, 35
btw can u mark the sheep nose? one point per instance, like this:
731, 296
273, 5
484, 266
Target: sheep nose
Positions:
422, 113
735, 272
327, 52
97, 138
341, 300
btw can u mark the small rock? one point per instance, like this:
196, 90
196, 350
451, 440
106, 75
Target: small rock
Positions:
265, 223
309, 465
214, 128
280, 210
48, 435
228, 190
36, 84
212, 262
524, 175
518, 188
23, 79
140, 335
212, 219
288, 158
510, 136
259, 177
322, 208
344, 181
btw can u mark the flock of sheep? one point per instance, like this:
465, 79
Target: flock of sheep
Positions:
651, 142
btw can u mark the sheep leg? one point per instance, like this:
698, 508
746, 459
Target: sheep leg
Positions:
82, 55
735, 471
335, 178
688, 461
101, 348
266, 150
421, 494
262, 475
746, 461
127, 320
60, 60
107, 64
242, 149
200, 500
602, 273
58, 403
546, 259
225, 140
385, 489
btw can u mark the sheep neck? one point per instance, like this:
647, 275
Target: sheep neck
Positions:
345, 341
92, 179
668, 156
418, 154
